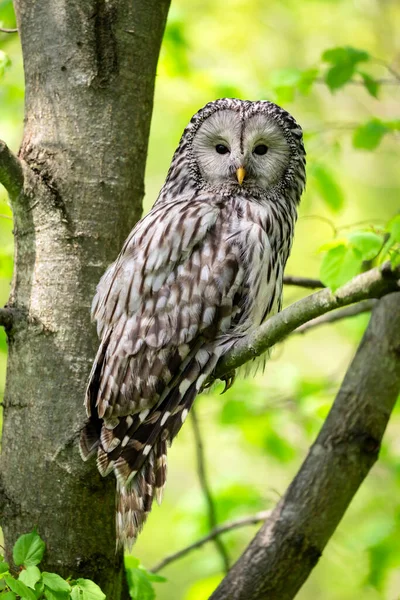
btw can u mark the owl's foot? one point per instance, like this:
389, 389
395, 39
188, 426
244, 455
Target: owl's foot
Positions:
229, 380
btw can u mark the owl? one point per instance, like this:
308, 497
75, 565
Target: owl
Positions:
201, 270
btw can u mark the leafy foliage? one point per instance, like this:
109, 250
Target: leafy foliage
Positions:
32, 584
140, 581
358, 251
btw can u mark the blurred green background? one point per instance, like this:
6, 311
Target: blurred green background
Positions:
258, 433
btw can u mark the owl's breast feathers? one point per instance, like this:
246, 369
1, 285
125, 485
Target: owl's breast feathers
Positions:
192, 275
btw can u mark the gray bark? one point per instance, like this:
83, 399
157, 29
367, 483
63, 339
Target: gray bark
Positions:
281, 556
89, 71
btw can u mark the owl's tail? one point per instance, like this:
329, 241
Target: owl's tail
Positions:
135, 447
134, 501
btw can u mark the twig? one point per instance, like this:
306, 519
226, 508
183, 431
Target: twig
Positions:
6, 318
289, 544
304, 282
5, 30
11, 173
223, 528
337, 315
372, 284
201, 469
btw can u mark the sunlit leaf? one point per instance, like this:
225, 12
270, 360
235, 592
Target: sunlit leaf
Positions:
8, 596
85, 589
339, 265
140, 586
338, 75
30, 576
366, 243
55, 582
328, 188
52, 595
4, 567
371, 84
5, 62
345, 54
343, 61
28, 549
19, 588
369, 135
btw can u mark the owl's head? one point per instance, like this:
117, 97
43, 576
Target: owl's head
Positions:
254, 148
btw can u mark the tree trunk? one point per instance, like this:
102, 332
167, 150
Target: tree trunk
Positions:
89, 72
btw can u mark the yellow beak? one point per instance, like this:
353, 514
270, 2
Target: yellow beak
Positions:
240, 174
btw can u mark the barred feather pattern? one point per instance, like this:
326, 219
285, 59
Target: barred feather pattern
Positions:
203, 268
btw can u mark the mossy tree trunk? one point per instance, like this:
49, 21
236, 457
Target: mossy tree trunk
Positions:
76, 192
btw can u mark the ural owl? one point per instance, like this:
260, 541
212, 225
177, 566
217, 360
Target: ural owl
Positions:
204, 267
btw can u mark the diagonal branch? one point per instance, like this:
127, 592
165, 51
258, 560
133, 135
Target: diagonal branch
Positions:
212, 517
223, 528
11, 173
281, 556
305, 282
371, 284
337, 315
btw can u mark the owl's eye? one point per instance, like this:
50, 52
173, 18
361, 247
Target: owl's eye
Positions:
221, 149
261, 149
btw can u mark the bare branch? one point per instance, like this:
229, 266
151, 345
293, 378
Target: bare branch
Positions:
11, 173
201, 469
6, 318
223, 528
5, 30
288, 546
338, 315
372, 284
305, 282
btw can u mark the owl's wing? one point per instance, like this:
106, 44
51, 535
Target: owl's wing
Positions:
172, 288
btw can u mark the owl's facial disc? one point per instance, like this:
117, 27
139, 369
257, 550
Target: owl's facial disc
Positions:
241, 152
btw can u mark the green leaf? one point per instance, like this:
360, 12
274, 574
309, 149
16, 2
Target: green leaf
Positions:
328, 187
393, 228
5, 62
55, 582
339, 265
30, 576
4, 567
369, 135
308, 77
366, 243
19, 588
345, 54
8, 596
28, 549
343, 61
371, 84
84, 589
338, 75
140, 587
51, 595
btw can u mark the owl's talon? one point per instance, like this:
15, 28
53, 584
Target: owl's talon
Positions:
229, 381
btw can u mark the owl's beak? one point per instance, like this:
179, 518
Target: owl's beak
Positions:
240, 174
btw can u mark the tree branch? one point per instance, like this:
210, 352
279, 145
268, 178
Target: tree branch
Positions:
6, 318
223, 528
304, 282
372, 284
5, 30
212, 517
281, 556
339, 314
11, 173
